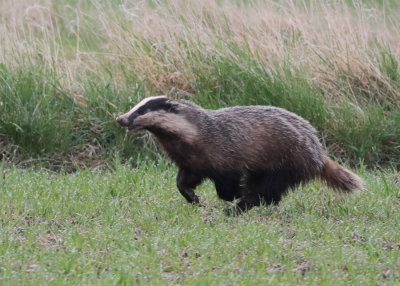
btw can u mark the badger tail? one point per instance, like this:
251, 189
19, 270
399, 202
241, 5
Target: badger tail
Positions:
339, 178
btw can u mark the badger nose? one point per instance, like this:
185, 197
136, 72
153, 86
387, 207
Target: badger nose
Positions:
122, 121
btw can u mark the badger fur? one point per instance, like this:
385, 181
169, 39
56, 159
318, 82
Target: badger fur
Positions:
251, 153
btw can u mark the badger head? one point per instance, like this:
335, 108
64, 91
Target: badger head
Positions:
146, 112
161, 116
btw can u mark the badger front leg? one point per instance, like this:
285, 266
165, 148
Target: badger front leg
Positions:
187, 181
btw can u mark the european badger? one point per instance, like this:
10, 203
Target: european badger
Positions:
254, 153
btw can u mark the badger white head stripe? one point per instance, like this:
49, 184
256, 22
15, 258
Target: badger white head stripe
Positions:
143, 102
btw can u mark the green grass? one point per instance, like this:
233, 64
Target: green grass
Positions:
39, 119
67, 68
131, 226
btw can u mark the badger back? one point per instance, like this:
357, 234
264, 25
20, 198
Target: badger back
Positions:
265, 137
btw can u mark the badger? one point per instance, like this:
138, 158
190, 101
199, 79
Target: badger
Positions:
253, 154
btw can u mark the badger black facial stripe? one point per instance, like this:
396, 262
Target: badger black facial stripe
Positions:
147, 102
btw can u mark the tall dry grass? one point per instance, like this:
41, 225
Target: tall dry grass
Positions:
166, 41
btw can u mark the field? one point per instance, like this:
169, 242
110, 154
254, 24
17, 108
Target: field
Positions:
83, 201
133, 227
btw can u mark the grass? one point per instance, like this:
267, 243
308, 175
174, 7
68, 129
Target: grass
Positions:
67, 68
131, 226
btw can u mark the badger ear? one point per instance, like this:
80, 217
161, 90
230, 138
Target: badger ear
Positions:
172, 105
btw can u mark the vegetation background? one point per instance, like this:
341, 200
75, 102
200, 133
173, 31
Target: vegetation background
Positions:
100, 205
67, 68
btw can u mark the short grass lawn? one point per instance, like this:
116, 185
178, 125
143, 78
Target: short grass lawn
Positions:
131, 226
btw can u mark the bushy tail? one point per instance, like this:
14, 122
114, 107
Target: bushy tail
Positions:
339, 178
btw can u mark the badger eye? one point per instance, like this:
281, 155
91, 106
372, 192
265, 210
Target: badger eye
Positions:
140, 112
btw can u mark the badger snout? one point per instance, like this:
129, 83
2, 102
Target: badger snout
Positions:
123, 121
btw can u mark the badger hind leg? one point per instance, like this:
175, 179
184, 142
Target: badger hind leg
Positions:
277, 182
228, 186
268, 187
252, 193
